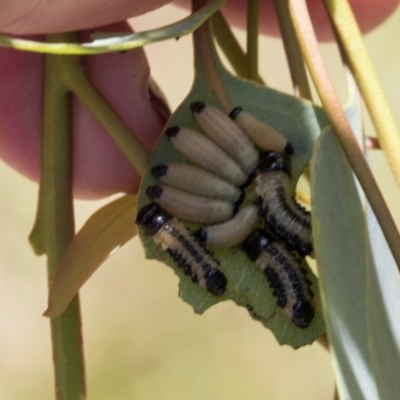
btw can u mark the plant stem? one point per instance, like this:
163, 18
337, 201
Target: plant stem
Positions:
203, 44
252, 39
54, 225
228, 43
89, 95
127, 42
292, 50
367, 80
340, 124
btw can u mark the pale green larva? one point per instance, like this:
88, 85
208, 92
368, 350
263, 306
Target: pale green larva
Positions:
206, 154
197, 181
264, 136
223, 131
190, 207
232, 232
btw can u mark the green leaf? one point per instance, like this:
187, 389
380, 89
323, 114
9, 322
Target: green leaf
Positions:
301, 123
359, 283
104, 232
383, 308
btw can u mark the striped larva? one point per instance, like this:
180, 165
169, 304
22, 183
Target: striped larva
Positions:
183, 247
288, 220
203, 152
265, 137
190, 207
232, 232
224, 132
197, 181
285, 275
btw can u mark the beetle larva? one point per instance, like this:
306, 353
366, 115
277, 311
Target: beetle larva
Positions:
203, 152
197, 181
264, 136
232, 232
283, 215
190, 207
285, 275
223, 131
183, 247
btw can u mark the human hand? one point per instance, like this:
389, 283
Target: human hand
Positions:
369, 14
100, 169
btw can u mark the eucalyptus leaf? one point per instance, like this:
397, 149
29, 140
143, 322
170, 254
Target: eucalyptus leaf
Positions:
301, 123
105, 231
358, 277
383, 306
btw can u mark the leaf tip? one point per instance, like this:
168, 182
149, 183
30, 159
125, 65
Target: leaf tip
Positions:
55, 307
47, 313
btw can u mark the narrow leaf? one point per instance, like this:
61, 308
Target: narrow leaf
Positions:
384, 310
104, 232
360, 285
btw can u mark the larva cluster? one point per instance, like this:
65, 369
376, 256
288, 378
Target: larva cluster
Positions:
233, 151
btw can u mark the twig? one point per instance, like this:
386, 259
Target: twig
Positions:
292, 50
340, 124
54, 225
368, 82
252, 39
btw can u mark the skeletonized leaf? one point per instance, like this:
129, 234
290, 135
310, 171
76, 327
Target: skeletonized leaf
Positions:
105, 231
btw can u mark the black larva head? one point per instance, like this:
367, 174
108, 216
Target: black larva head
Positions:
235, 112
201, 235
305, 249
255, 242
215, 281
172, 131
274, 161
288, 149
303, 314
154, 192
197, 107
152, 217
159, 170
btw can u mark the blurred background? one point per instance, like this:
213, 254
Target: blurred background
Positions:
140, 340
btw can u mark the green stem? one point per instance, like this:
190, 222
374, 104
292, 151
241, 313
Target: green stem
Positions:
292, 50
229, 45
54, 225
90, 96
367, 80
340, 124
127, 42
203, 44
252, 39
